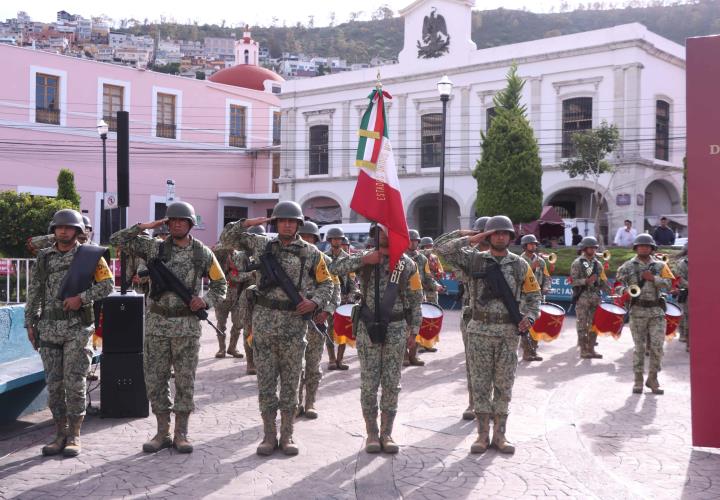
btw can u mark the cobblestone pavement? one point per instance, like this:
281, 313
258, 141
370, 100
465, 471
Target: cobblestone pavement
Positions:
579, 431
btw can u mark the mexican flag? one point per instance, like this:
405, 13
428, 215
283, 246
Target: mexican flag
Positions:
377, 193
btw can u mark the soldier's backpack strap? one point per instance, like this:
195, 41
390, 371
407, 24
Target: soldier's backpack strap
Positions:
198, 262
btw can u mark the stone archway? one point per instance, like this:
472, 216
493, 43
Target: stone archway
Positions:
579, 203
322, 210
661, 199
422, 214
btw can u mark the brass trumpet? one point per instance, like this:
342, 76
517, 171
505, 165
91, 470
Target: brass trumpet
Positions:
550, 257
634, 291
663, 257
606, 255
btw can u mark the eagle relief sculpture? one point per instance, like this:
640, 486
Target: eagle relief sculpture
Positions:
434, 36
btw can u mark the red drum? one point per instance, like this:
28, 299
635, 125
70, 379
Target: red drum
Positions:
548, 325
673, 315
431, 324
609, 320
342, 324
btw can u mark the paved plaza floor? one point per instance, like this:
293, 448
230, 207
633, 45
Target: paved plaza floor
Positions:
578, 429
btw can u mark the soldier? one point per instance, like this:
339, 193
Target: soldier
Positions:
278, 327
588, 282
348, 291
61, 329
245, 312
647, 310
381, 357
539, 267
681, 273
312, 374
37, 243
435, 269
492, 338
172, 330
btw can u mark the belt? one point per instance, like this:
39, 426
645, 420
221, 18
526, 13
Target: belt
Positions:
60, 314
369, 316
646, 303
170, 313
491, 317
278, 305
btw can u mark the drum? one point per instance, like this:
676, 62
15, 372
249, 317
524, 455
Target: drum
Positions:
548, 325
609, 320
429, 334
673, 315
342, 324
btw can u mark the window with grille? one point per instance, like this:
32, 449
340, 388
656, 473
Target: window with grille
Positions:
47, 103
489, 115
112, 103
662, 130
576, 117
237, 126
431, 140
276, 128
319, 150
165, 125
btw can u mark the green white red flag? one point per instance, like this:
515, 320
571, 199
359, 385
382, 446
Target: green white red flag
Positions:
377, 192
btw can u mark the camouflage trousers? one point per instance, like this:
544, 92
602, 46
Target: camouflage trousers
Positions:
312, 373
431, 296
162, 354
529, 345
463, 331
329, 341
585, 312
643, 327
66, 366
685, 321
380, 367
492, 361
229, 307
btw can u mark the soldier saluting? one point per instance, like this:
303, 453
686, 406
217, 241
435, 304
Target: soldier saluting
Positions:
60, 328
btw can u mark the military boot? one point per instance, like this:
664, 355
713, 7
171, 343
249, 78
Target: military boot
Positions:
498, 439
653, 384
637, 386
162, 439
591, 346
269, 442
406, 358
387, 418
585, 348
483, 440
180, 441
72, 444
287, 445
332, 360
469, 413
340, 355
250, 369
300, 409
310, 393
414, 360
221, 347
58, 443
232, 346
372, 443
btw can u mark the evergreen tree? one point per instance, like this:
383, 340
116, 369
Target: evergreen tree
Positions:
66, 188
509, 173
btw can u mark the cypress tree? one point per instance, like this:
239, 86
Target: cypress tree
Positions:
66, 188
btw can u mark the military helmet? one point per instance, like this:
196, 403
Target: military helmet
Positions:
587, 242
87, 223
414, 235
479, 224
161, 231
67, 217
644, 239
528, 238
309, 227
181, 210
335, 232
288, 210
256, 230
345, 241
500, 223
426, 240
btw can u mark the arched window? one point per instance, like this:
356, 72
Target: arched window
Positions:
247, 56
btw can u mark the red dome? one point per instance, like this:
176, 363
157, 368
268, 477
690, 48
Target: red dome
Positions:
248, 76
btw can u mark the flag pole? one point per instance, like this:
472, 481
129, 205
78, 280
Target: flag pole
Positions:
378, 87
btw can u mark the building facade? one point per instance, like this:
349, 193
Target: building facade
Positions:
625, 75
213, 141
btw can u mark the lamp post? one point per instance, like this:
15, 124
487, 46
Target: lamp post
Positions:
102, 129
444, 87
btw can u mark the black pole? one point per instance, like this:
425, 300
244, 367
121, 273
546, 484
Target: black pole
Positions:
441, 198
103, 215
123, 181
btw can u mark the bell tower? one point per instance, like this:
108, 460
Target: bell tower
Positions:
246, 49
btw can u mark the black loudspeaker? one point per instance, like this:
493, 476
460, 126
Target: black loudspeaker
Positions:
123, 158
122, 386
123, 323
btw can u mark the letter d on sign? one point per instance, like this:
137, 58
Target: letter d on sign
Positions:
715, 149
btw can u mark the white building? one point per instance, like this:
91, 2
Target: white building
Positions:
625, 75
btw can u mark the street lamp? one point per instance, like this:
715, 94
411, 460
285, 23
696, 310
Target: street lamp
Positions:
102, 129
444, 87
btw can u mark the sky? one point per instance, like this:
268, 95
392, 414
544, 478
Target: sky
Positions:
251, 12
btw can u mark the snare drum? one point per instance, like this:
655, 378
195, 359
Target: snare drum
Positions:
609, 320
342, 324
673, 315
549, 324
431, 325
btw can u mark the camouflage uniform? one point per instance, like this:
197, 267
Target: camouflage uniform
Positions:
433, 268
233, 264
426, 277
172, 331
681, 271
647, 316
587, 301
381, 364
528, 344
348, 295
492, 338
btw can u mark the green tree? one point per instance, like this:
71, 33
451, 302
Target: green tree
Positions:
23, 216
589, 161
66, 188
509, 173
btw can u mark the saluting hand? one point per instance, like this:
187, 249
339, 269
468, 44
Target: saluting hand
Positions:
153, 224
256, 221
478, 237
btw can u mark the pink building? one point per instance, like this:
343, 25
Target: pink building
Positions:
217, 141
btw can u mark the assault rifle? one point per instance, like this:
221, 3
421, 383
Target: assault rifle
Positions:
495, 280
